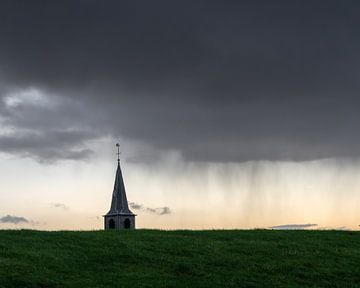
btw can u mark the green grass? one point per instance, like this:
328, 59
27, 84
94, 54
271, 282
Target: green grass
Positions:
151, 258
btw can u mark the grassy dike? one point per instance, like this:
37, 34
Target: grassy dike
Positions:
152, 258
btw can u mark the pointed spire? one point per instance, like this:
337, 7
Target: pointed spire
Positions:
119, 204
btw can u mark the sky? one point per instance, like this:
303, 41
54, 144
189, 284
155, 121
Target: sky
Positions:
230, 114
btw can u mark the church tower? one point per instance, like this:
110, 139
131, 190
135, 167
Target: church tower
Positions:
119, 216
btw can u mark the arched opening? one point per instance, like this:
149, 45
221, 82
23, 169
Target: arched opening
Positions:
111, 224
127, 223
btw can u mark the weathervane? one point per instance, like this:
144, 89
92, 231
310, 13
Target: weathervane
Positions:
118, 151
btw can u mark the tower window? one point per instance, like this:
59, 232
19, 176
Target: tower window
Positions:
127, 223
111, 224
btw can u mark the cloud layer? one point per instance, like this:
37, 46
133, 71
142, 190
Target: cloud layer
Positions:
216, 81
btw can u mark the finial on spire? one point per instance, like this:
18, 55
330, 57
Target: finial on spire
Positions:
118, 152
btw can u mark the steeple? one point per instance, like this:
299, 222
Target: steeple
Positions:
119, 215
119, 202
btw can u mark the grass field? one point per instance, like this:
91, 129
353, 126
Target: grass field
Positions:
151, 258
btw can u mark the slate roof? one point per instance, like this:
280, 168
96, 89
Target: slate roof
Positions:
119, 203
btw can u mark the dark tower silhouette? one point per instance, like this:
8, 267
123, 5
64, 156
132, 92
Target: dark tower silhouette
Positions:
119, 215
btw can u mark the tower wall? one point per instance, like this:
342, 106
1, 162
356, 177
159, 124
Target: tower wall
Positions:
119, 222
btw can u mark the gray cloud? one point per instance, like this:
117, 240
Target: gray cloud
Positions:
46, 132
293, 226
13, 219
24, 146
235, 81
164, 210
61, 206
341, 228
159, 211
136, 206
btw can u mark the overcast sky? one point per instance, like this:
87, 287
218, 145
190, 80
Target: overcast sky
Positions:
209, 83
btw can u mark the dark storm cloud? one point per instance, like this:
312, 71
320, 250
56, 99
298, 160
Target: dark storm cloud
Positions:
46, 147
215, 80
46, 128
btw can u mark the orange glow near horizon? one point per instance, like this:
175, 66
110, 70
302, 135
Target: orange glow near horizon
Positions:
213, 196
